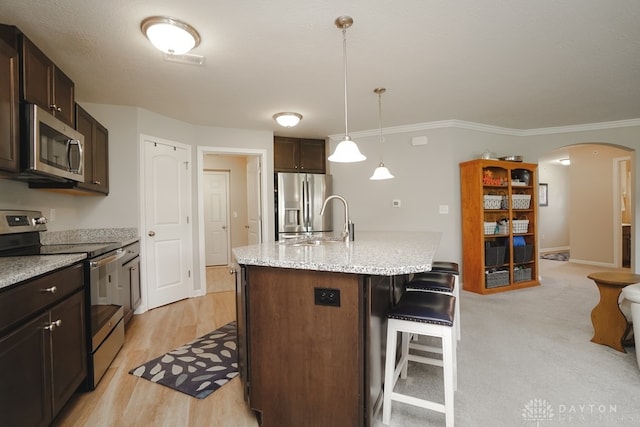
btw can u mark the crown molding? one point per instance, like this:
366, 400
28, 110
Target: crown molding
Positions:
461, 124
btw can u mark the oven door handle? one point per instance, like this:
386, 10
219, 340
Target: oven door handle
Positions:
97, 264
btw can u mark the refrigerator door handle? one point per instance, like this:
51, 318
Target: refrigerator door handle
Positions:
305, 197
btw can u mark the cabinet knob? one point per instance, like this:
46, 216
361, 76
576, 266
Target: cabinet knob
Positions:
51, 290
96, 182
232, 271
151, 233
54, 107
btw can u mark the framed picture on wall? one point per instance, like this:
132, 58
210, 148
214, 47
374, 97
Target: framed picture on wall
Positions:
543, 194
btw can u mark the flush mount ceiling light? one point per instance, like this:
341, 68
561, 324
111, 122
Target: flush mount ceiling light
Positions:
170, 35
347, 151
565, 162
287, 120
381, 171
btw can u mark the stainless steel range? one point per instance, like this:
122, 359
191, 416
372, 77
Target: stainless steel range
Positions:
20, 236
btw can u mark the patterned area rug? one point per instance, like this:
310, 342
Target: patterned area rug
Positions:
197, 368
560, 256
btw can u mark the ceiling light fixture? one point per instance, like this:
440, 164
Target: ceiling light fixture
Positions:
170, 35
381, 171
287, 120
347, 151
565, 162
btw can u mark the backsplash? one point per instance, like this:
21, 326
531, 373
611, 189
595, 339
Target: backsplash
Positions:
91, 235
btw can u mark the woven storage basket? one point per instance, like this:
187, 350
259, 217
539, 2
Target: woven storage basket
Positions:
520, 201
490, 227
520, 226
492, 201
495, 279
522, 275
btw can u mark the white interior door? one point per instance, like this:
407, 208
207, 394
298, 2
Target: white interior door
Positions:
216, 223
254, 223
167, 212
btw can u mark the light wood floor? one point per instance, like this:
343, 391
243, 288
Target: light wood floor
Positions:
124, 400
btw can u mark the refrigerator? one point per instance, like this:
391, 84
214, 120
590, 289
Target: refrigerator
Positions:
298, 201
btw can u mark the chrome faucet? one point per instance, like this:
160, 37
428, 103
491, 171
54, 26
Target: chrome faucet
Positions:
347, 233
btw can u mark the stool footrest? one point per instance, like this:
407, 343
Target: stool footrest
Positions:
425, 348
425, 360
427, 404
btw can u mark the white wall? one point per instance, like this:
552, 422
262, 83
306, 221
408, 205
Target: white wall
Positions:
428, 176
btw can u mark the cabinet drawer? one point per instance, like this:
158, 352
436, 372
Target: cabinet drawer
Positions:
131, 251
27, 298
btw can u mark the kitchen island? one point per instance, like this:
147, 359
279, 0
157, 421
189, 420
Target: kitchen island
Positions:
312, 323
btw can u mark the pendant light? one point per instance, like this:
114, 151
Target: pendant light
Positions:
347, 151
381, 171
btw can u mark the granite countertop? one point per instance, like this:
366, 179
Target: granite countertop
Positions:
17, 269
376, 253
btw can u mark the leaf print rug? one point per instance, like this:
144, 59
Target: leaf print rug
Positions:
197, 368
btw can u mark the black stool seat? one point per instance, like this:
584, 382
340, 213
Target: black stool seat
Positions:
431, 281
445, 267
425, 307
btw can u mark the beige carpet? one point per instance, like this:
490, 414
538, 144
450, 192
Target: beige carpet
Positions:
525, 359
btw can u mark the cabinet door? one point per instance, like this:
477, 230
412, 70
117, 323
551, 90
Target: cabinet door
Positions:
134, 275
101, 159
96, 152
63, 97
9, 104
25, 396
312, 156
68, 347
285, 154
38, 72
124, 290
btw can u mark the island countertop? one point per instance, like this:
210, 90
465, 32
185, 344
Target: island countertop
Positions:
384, 253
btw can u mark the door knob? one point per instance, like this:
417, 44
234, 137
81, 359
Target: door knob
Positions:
151, 233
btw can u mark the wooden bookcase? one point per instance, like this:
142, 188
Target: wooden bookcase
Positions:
499, 225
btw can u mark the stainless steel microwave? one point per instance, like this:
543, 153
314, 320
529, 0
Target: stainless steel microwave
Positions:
55, 149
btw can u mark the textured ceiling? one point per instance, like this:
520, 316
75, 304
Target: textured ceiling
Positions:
510, 63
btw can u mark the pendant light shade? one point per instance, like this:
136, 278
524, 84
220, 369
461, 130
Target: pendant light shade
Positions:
347, 151
170, 35
381, 171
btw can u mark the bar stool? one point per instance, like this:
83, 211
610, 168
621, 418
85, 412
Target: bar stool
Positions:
451, 268
420, 282
429, 314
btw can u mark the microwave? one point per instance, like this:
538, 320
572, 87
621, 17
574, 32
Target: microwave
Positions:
54, 149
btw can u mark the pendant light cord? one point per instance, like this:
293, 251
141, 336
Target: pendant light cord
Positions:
344, 55
380, 121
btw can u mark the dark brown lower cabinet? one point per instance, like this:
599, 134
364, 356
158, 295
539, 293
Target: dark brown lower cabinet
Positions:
42, 363
308, 356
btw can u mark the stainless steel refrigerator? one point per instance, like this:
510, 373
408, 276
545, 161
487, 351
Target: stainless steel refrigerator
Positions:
298, 200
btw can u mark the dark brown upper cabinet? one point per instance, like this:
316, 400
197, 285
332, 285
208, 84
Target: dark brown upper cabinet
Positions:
9, 103
46, 85
96, 152
299, 155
